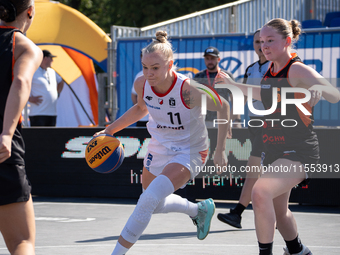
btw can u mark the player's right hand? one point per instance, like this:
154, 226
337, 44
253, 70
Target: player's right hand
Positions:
100, 133
35, 100
223, 78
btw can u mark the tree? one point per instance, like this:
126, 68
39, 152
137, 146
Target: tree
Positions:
137, 13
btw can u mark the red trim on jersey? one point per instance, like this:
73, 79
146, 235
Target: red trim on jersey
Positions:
186, 106
8, 27
13, 60
172, 85
293, 55
144, 88
204, 155
21, 118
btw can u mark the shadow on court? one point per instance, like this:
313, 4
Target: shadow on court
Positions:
81, 226
174, 235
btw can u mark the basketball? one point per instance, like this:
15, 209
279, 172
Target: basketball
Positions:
104, 154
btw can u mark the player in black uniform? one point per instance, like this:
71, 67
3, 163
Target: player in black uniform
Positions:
19, 59
289, 140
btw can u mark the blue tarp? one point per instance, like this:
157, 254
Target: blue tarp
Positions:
320, 50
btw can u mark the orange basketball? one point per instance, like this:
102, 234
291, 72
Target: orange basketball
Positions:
104, 153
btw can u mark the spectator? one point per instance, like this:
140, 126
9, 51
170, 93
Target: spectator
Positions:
208, 77
46, 87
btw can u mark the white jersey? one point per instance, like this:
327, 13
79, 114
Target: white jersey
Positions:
253, 76
171, 123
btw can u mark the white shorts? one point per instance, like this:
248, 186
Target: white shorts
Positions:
155, 163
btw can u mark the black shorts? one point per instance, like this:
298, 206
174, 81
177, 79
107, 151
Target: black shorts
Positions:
43, 121
268, 158
257, 146
14, 185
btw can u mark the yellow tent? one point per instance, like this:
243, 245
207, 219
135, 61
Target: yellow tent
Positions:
57, 24
76, 41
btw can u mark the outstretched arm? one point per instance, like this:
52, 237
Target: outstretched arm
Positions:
306, 77
224, 79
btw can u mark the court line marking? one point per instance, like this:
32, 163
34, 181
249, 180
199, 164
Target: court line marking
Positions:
63, 219
128, 205
173, 244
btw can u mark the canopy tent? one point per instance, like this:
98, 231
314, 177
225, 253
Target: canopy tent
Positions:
77, 42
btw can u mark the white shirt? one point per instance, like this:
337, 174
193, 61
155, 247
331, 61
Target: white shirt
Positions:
253, 75
44, 84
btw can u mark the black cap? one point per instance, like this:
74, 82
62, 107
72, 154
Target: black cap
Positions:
212, 51
48, 54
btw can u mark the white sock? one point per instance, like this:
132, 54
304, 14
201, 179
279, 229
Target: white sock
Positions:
158, 189
119, 249
175, 203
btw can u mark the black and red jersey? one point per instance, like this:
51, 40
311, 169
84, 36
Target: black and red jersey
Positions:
7, 47
292, 132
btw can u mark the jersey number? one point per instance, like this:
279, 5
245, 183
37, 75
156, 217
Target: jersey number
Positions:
172, 118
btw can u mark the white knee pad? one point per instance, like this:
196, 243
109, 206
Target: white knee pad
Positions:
146, 205
158, 189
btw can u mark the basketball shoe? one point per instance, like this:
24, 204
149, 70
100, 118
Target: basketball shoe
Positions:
231, 218
305, 251
206, 210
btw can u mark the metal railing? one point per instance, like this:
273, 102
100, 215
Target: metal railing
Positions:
243, 16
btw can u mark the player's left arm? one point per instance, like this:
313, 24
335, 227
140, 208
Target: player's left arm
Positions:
192, 95
301, 75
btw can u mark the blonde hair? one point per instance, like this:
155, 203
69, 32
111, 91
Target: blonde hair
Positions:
161, 44
286, 28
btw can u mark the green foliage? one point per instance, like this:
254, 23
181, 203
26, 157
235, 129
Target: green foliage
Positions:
138, 13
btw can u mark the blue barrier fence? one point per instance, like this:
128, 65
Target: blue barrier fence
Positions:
319, 49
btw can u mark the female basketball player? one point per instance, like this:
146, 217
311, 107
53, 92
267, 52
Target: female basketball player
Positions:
285, 147
178, 146
19, 59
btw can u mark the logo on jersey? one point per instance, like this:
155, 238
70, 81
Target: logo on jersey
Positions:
148, 161
160, 101
148, 98
172, 102
151, 106
273, 139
